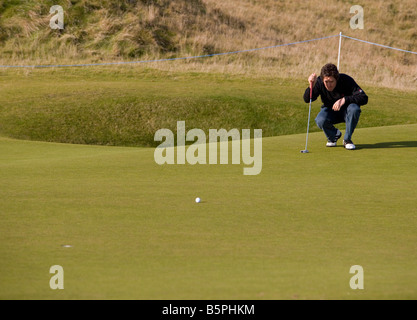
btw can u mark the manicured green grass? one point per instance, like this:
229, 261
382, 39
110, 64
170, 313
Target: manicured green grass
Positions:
125, 106
292, 232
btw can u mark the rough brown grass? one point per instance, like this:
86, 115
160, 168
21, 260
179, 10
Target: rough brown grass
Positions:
131, 30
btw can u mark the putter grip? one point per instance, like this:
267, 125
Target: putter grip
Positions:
311, 90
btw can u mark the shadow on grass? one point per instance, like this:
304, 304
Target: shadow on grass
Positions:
388, 145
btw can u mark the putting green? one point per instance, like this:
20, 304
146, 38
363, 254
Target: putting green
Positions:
292, 232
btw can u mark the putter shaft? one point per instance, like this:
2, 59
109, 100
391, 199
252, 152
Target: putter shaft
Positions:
308, 124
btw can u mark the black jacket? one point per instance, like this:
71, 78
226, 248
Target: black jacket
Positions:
346, 87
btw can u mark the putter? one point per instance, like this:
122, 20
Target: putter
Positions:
308, 122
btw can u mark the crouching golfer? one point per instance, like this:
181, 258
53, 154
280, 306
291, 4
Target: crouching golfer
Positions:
342, 99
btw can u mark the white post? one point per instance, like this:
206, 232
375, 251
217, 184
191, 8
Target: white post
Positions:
340, 46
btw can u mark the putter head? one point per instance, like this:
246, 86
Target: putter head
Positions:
304, 151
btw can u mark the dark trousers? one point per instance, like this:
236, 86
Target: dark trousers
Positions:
327, 118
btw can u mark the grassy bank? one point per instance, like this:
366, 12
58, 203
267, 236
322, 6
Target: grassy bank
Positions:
126, 106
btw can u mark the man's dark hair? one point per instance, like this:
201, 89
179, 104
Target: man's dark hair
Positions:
329, 70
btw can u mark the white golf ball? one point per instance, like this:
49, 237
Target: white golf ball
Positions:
198, 200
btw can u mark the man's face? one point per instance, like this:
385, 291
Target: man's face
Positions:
329, 83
